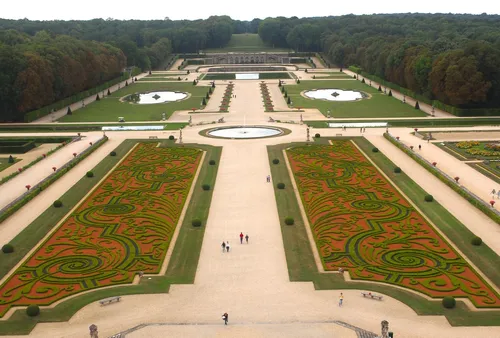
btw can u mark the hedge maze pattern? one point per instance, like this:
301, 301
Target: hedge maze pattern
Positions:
361, 223
123, 227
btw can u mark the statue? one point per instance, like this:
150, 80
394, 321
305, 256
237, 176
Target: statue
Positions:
271, 119
385, 329
221, 120
404, 98
163, 117
190, 120
301, 119
308, 134
93, 331
180, 135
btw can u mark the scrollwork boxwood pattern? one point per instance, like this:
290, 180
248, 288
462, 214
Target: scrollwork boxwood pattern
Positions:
361, 223
123, 227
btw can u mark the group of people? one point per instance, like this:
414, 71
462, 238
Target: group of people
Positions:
494, 192
226, 247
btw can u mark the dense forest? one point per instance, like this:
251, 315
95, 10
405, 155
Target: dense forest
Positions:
451, 58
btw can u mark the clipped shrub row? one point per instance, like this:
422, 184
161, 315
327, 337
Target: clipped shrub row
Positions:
452, 184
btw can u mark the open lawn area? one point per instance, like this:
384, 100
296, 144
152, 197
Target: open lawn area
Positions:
246, 43
377, 105
110, 108
4, 162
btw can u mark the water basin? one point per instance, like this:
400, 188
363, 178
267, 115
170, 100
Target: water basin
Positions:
334, 95
241, 132
156, 97
247, 76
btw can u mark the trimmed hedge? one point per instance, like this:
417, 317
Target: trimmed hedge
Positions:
375, 150
317, 135
8, 248
196, 222
113, 153
449, 302
33, 310
171, 137
397, 170
429, 198
280, 185
211, 162
289, 221
205, 187
452, 184
49, 180
57, 204
89, 174
276, 161
476, 241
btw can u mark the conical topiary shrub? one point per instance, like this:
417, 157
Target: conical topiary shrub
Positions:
417, 106
97, 98
109, 93
390, 92
379, 88
69, 112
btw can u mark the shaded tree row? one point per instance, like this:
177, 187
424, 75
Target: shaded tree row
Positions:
38, 70
452, 58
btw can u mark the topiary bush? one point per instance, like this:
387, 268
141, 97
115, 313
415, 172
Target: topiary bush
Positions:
417, 106
11, 159
8, 248
171, 137
69, 112
33, 310
289, 221
397, 170
476, 241
89, 174
205, 187
276, 161
211, 162
428, 198
196, 222
375, 150
289, 100
113, 153
280, 185
57, 204
317, 135
449, 302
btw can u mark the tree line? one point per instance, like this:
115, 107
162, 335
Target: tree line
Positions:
451, 58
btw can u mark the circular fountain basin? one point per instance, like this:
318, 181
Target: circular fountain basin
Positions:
240, 132
156, 97
334, 95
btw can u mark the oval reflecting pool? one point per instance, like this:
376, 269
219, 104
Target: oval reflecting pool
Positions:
155, 97
244, 132
334, 95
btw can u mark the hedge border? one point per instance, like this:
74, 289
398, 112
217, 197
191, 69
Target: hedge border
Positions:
475, 201
17, 204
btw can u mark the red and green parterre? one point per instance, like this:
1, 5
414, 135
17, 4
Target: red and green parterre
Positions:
361, 223
123, 227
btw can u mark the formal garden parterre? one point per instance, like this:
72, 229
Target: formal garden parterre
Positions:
123, 227
361, 223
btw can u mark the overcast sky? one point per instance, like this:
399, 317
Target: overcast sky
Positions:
236, 9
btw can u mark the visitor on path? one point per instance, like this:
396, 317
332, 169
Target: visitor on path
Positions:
341, 299
361, 130
268, 178
241, 238
223, 246
225, 318
493, 192
498, 194
364, 130
227, 246
419, 147
246, 237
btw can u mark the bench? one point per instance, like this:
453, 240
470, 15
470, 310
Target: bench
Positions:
371, 295
338, 134
110, 300
151, 137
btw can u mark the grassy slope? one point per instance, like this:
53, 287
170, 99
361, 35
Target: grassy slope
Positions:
379, 105
300, 260
245, 43
110, 108
182, 266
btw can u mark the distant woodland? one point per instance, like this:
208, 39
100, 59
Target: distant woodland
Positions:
451, 58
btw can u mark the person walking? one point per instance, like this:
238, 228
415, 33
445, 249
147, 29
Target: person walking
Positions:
498, 194
268, 178
246, 237
419, 147
493, 192
341, 299
223, 246
225, 318
241, 238
227, 246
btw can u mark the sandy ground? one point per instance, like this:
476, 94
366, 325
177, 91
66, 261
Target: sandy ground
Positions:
27, 158
77, 105
251, 282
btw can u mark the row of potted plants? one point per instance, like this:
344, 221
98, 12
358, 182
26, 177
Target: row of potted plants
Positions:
224, 106
266, 96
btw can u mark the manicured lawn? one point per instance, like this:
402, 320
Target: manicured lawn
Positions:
232, 76
4, 162
110, 108
300, 260
378, 105
182, 265
422, 122
330, 75
245, 43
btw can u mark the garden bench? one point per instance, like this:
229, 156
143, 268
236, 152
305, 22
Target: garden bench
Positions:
338, 134
110, 300
371, 295
151, 137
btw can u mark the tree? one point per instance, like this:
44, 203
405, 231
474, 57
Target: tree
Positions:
204, 102
69, 112
97, 98
109, 92
390, 92
417, 106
